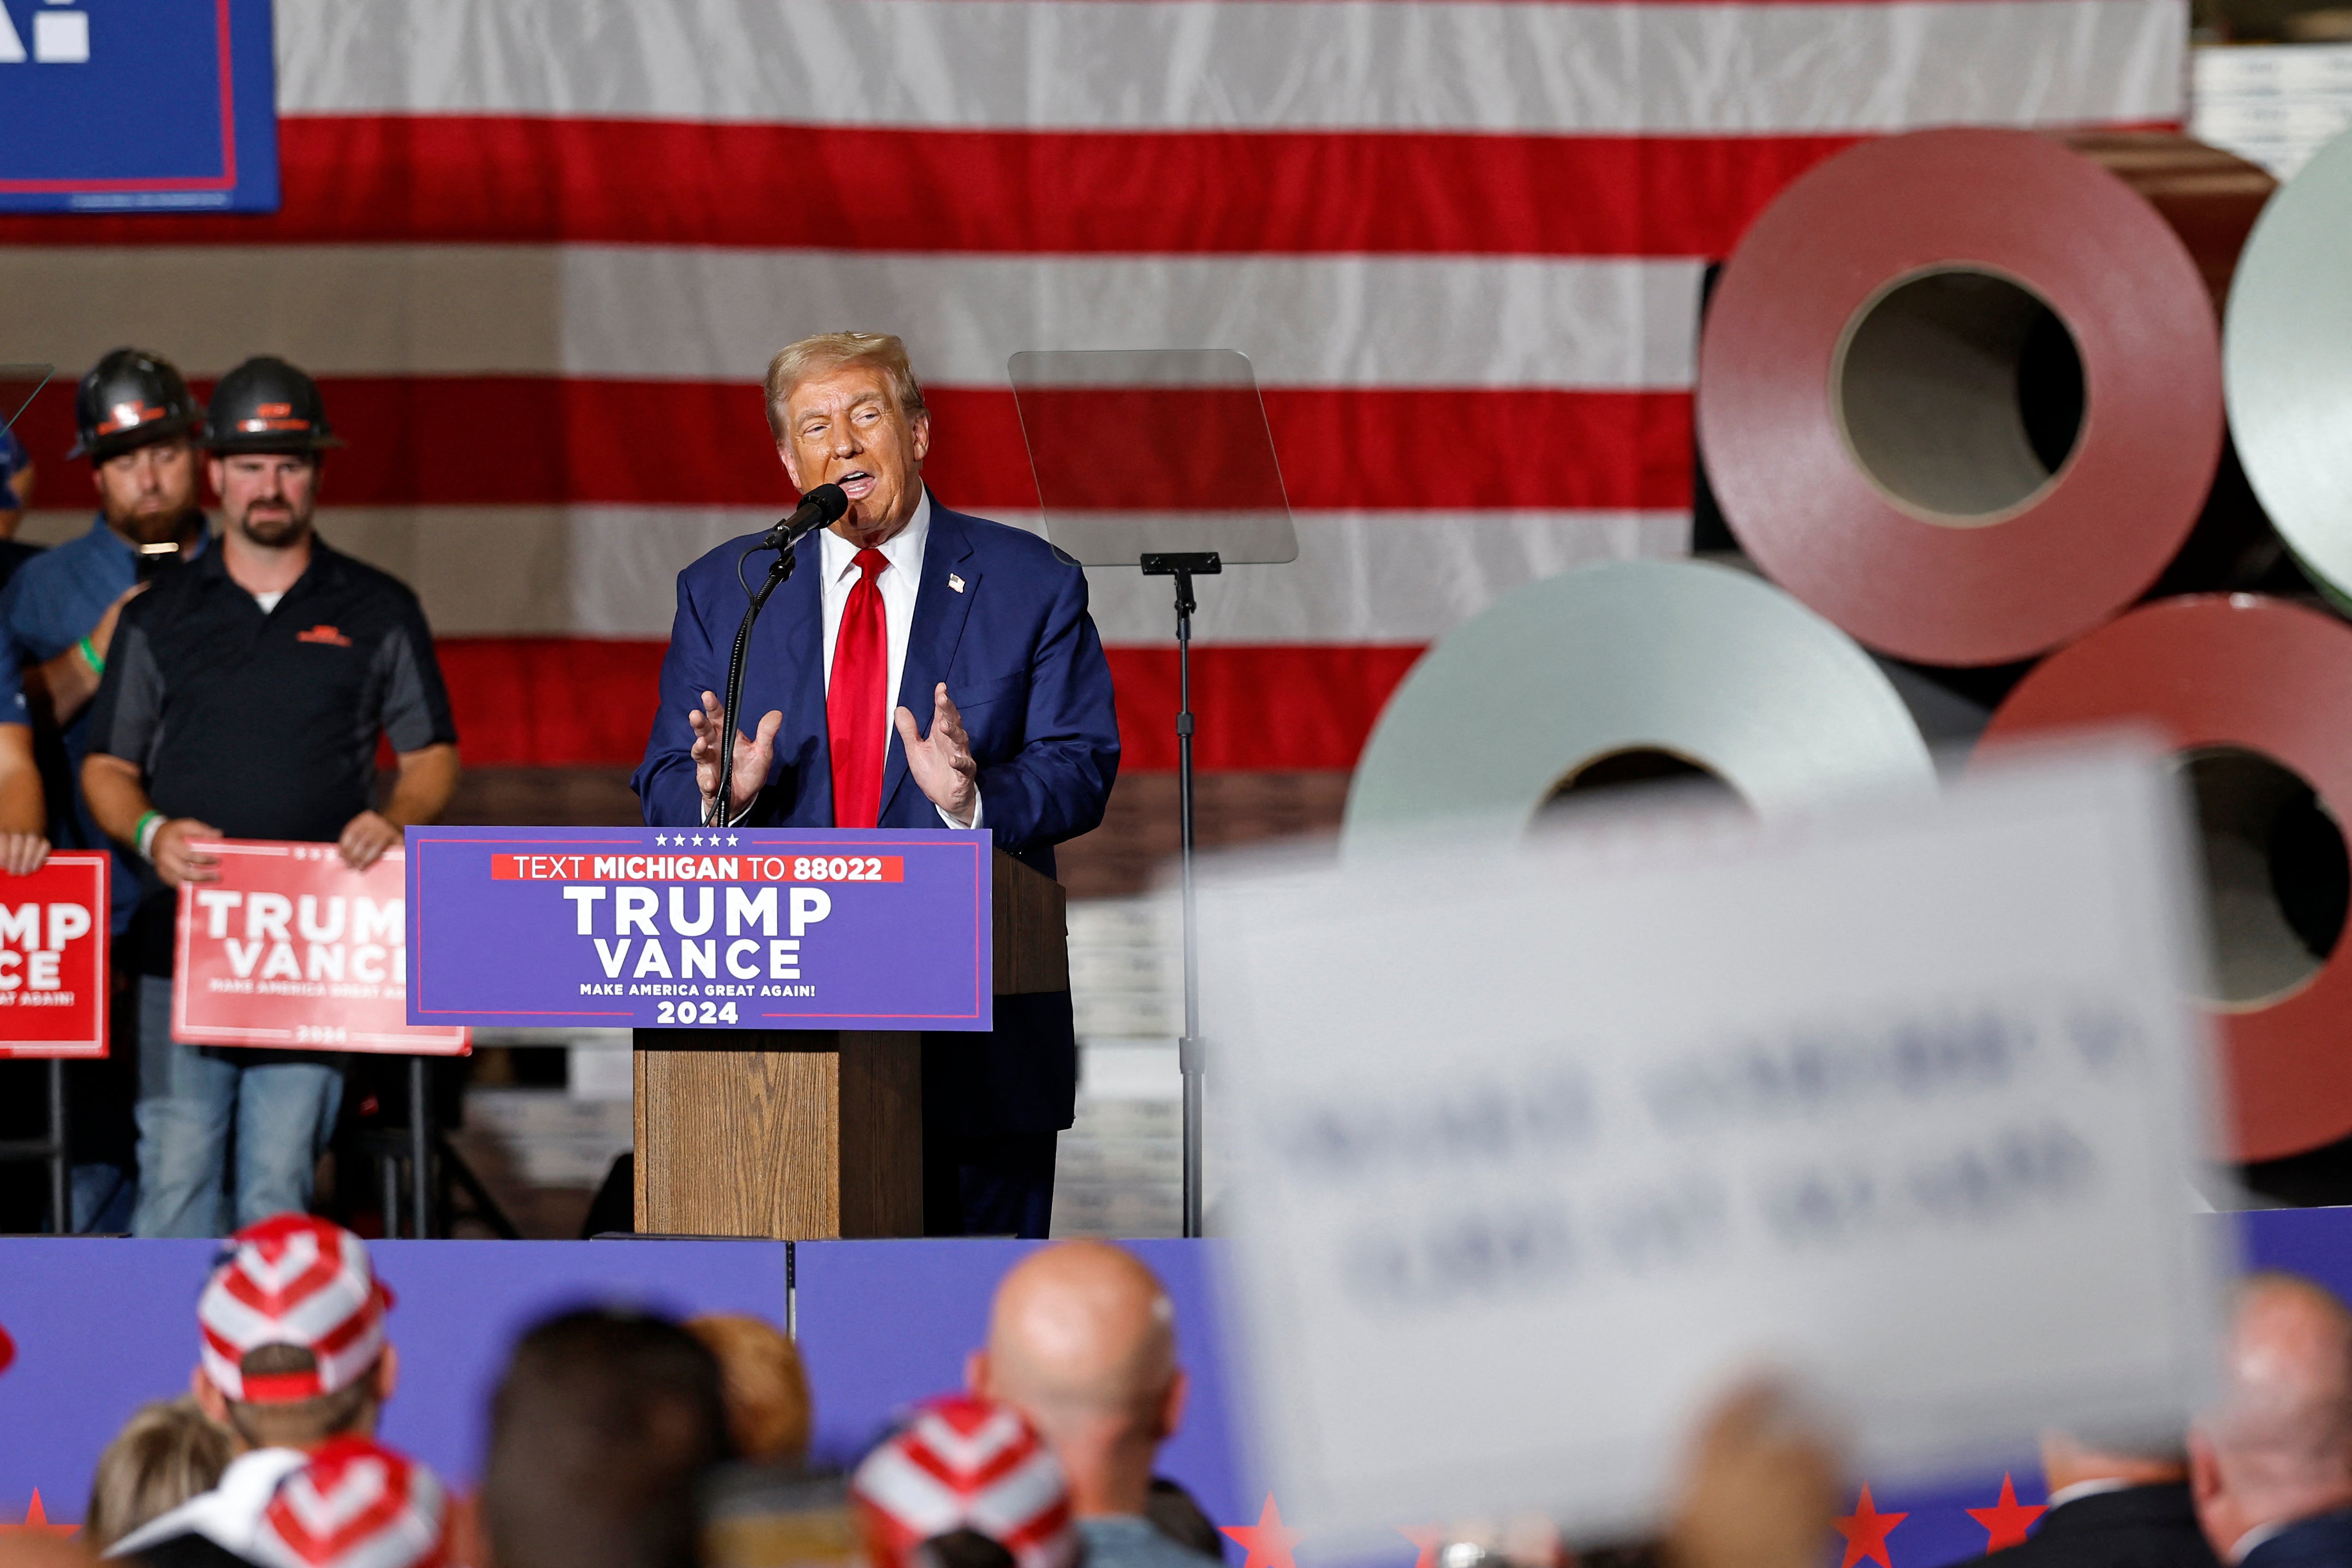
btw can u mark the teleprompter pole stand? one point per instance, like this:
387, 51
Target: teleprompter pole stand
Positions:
53, 1151
60, 1160
420, 1147
1184, 567
434, 1167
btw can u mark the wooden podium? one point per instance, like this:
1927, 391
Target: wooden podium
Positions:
808, 1134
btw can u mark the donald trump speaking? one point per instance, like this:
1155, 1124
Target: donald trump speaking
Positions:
920, 669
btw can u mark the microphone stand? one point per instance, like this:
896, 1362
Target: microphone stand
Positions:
818, 508
777, 570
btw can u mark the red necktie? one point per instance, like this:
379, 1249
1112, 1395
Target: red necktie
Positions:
852, 703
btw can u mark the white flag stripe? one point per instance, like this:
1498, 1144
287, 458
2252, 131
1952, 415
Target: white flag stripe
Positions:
663, 313
611, 571
1147, 64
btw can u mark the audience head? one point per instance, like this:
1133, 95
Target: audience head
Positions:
966, 1483
135, 416
2277, 1446
1082, 1340
767, 1411
1758, 1489
599, 1436
165, 1455
355, 1505
294, 1351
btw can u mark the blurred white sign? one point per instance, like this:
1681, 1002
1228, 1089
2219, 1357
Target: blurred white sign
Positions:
1533, 1158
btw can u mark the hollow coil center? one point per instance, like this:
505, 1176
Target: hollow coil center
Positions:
1603, 778
1959, 392
2275, 874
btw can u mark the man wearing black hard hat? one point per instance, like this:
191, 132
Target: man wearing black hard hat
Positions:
135, 422
245, 699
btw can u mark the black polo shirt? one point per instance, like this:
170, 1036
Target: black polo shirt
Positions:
264, 725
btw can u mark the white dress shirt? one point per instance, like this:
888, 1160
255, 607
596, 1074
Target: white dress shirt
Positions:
899, 584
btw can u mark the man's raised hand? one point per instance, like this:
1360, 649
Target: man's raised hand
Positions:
942, 763
753, 753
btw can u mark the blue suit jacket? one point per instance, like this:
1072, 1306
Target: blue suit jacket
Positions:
1024, 666
2324, 1541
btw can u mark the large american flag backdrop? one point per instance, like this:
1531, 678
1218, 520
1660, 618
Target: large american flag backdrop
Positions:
539, 252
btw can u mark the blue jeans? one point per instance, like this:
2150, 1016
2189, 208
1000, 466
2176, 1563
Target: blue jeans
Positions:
282, 1104
102, 1196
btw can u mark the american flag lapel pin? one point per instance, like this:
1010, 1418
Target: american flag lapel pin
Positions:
955, 583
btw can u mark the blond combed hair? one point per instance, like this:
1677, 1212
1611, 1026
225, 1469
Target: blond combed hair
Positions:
796, 362
163, 1455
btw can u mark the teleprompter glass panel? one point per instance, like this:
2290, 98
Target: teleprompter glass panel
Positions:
1152, 450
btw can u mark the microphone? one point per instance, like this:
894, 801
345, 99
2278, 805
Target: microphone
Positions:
818, 508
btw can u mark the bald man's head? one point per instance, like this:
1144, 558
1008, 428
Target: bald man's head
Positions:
1082, 1338
1081, 1327
2278, 1445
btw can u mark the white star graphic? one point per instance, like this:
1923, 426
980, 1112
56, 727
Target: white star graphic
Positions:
661, 838
732, 840
697, 838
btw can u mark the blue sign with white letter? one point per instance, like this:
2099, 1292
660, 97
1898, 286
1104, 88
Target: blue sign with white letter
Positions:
138, 105
734, 928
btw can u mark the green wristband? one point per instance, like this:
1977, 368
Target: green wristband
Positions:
90, 656
143, 835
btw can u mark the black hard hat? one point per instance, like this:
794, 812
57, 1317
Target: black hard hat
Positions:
132, 398
267, 405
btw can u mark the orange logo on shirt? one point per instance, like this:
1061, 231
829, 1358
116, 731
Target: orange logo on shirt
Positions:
323, 632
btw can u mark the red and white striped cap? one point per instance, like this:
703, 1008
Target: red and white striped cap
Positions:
966, 1464
292, 1281
355, 1505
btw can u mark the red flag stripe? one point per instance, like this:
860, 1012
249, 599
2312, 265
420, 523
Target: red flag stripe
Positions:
579, 701
420, 441
362, 180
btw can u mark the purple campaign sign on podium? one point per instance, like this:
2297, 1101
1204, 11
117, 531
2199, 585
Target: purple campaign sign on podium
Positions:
667, 928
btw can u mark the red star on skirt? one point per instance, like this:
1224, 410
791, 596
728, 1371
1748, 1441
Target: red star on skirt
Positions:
37, 1518
2006, 1520
1866, 1532
1428, 1538
1266, 1542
